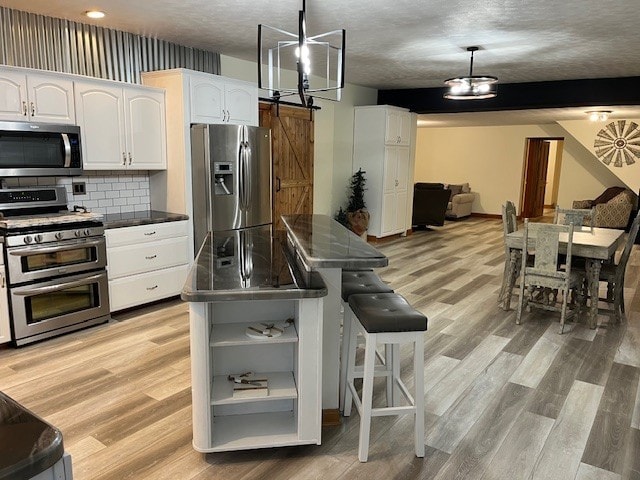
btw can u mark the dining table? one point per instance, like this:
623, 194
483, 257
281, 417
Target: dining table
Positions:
595, 245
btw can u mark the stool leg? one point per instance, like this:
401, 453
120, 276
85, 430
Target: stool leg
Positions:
367, 396
395, 369
418, 373
344, 352
388, 362
352, 341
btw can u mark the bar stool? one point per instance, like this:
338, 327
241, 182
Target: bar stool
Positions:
386, 318
356, 282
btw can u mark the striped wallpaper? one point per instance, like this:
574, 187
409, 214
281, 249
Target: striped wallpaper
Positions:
46, 43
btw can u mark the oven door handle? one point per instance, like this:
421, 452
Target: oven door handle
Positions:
25, 252
67, 150
29, 292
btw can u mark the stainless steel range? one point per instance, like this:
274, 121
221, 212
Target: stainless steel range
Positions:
56, 264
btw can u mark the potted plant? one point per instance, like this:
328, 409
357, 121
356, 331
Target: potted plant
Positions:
356, 216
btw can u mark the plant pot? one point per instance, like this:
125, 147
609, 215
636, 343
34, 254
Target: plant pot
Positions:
358, 221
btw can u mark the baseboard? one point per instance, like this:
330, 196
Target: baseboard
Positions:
486, 215
331, 417
372, 239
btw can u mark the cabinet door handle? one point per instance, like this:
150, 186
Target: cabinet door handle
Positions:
130, 159
124, 158
396, 183
33, 109
151, 257
24, 108
152, 288
278, 184
150, 233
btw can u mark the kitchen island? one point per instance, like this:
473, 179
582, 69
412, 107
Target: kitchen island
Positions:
252, 310
321, 244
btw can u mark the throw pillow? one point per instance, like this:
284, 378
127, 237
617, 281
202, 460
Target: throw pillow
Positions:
608, 194
466, 188
455, 190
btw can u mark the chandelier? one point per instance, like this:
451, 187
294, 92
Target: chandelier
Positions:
297, 64
471, 87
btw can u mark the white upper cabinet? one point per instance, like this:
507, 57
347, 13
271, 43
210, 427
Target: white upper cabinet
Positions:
145, 129
122, 127
216, 99
398, 128
207, 100
36, 98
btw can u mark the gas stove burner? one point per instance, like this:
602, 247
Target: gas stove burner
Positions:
36, 221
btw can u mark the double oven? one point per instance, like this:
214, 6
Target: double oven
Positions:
56, 270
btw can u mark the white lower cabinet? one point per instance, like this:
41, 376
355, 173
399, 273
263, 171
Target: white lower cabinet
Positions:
146, 263
5, 329
290, 412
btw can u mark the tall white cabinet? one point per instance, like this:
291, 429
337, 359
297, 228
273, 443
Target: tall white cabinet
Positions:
384, 147
194, 97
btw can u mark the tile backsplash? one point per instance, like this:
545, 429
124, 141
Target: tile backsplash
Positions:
106, 191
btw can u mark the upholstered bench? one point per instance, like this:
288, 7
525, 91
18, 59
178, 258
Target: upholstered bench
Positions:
389, 319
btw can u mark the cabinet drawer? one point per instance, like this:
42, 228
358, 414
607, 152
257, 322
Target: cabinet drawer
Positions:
145, 233
147, 257
146, 287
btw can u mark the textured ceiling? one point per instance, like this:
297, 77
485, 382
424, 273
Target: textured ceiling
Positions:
401, 43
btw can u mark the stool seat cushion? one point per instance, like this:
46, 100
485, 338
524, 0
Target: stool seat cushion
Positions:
386, 312
362, 281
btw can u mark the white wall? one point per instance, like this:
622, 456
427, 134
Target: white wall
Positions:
491, 159
549, 197
333, 135
586, 133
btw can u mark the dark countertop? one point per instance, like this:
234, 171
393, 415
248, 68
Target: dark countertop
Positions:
321, 242
28, 445
248, 264
146, 217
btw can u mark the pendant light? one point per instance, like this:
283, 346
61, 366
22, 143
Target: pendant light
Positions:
280, 53
471, 87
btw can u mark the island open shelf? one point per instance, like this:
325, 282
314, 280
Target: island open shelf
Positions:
290, 413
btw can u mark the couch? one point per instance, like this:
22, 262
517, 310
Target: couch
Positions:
430, 202
612, 208
461, 201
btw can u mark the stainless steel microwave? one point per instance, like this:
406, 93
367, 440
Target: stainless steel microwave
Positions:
39, 150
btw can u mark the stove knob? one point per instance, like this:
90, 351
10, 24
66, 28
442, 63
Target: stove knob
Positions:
78, 233
28, 239
38, 238
59, 235
87, 233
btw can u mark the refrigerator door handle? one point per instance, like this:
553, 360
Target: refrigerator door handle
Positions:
247, 175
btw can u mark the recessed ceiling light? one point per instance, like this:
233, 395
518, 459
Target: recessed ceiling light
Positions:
94, 14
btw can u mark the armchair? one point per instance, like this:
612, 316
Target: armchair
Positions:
612, 208
461, 201
429, 204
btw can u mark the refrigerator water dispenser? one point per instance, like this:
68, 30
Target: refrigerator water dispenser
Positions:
223, 172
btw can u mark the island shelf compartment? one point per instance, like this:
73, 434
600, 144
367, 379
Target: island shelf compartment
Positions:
291, 413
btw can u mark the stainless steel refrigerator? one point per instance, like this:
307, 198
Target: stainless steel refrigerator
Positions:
231, 178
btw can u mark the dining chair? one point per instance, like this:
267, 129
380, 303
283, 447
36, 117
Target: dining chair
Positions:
509, 225
577, 216
613, 273
547, 273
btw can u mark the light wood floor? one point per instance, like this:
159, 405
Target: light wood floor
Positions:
503, 401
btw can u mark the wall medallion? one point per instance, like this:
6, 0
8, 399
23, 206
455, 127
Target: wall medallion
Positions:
618, 142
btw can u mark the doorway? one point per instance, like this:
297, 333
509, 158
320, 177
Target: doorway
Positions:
541, 175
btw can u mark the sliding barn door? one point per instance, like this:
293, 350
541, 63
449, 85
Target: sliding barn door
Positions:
292, 157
